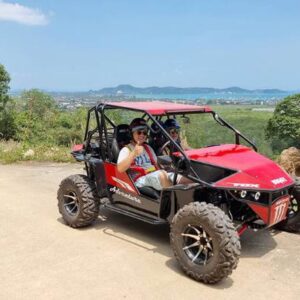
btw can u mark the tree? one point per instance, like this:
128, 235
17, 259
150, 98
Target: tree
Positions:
38, 104
37, 116
283, 128
4, 87
7, 116
70, 127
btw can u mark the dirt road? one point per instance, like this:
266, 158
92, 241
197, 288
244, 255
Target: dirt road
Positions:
41, 258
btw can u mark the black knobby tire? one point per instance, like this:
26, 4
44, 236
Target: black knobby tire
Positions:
78, 202
292, 222
220, 258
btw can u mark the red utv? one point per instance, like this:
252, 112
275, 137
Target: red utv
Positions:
234, 187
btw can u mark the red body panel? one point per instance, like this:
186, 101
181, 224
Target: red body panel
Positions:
279, 210
120, 180
77, 147
161, 108
274, 214
254, 171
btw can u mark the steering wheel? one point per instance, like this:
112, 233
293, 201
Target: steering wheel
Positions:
181, 166
164, 149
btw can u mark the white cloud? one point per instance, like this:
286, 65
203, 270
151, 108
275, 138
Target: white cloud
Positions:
21, 14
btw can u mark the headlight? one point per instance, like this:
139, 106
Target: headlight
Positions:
251, 195
257, 196
261, 197
243, 194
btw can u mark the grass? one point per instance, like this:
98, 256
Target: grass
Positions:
201, 132
12, 151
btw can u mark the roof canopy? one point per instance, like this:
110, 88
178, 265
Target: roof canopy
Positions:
159, 108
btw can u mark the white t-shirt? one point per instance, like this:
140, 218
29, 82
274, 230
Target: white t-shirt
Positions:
142, 160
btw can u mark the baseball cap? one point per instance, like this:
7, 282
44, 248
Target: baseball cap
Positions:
171, 123
138, 124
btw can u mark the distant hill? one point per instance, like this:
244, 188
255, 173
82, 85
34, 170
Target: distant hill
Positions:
127, 89
170, 92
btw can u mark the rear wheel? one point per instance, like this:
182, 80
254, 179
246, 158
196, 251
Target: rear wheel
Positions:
205, 242
292, 222
78, 202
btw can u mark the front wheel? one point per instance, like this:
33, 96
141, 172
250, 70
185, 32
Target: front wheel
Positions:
78, 202
204, 242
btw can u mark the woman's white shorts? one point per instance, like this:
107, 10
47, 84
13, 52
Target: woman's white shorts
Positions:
152, 180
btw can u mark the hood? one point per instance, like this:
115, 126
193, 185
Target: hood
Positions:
253, 170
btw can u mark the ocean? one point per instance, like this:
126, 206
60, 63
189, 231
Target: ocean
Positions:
230, 96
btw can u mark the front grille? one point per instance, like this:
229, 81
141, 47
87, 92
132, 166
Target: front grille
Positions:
264, 197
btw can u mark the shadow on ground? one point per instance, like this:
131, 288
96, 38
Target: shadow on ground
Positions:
155, 238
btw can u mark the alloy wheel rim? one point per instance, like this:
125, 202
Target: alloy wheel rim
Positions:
293, 207
71, 203
197, 244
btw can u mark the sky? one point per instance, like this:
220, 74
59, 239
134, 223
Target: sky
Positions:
83, 45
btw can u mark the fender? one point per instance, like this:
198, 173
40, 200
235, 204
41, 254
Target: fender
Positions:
175, 197
98, 171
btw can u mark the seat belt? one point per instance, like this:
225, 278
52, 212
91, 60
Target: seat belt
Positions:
139, 170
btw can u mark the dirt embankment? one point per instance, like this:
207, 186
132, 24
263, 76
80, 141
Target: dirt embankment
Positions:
289, 159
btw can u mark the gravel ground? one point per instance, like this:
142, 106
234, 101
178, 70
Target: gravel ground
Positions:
117, 257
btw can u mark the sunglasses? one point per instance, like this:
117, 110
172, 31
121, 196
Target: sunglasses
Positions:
173, 131
144, 132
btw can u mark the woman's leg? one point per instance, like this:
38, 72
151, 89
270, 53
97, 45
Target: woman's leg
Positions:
184, 180
180, 179
164, 180
158, 180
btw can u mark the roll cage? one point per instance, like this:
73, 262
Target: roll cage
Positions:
104, 129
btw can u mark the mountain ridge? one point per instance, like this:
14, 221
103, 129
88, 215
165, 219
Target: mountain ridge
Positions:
128, 89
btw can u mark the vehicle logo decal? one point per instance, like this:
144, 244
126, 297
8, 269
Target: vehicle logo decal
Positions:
123, 194
279, 180
246, 185
279, 211
123, 184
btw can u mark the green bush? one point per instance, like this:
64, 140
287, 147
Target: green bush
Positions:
283, 128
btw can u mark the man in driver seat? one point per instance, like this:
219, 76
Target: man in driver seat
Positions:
173, 128
141, 158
